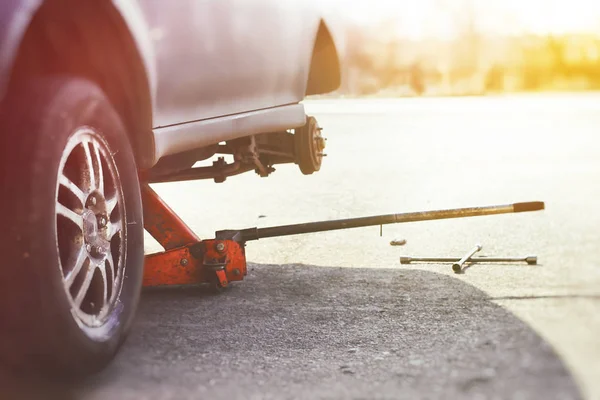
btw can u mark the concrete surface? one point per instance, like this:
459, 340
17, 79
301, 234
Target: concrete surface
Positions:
352, 322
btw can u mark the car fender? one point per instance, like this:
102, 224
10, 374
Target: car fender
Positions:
16, 15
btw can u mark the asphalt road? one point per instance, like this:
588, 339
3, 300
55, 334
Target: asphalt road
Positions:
334, 315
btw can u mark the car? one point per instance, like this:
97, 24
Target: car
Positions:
99, 99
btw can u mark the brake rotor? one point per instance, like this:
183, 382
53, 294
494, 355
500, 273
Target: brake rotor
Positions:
309, 145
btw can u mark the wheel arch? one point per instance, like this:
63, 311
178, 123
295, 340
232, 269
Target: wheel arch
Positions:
325, 72
106, 42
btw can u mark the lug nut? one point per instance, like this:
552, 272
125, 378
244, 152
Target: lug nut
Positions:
93, 200
102, 221
88, 247
220, 247
97, 251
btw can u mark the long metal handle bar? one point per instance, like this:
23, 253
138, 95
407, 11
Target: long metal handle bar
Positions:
531, 260
297, 229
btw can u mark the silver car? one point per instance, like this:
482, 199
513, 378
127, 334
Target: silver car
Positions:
100, 98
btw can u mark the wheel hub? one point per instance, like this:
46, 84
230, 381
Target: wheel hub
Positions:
95, 234
309, 146
319, 143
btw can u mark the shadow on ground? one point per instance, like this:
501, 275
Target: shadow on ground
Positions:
308, 332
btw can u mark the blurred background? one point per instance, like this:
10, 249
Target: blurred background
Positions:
467, 47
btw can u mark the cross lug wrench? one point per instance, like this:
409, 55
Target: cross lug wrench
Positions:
457, 266
531, 260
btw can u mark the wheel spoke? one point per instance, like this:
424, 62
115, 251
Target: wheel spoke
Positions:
104, 285
115, 227
90, 165
81, 260
111, 265
85, 285
71, 215
111, 204
96, 156
72, 187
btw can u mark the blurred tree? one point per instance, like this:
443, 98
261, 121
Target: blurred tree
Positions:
468, 41
417, 78
494, 81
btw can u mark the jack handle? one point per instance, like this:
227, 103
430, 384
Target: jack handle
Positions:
249, 234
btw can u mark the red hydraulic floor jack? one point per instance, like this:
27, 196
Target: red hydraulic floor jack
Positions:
219, 261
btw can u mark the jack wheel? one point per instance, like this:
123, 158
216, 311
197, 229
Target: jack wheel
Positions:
216, 287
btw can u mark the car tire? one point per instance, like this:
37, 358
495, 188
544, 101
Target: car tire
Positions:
72, 241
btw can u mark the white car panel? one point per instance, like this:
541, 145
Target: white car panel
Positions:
223, 57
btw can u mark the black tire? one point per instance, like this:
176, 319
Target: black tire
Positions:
42, 329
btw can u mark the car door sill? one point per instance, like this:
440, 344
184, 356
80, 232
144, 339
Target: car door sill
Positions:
179, 138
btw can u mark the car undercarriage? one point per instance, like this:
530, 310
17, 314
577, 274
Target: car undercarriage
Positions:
303, 146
